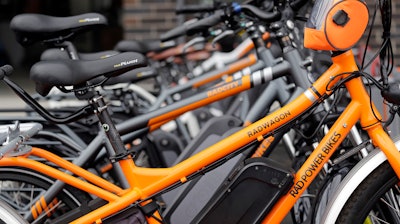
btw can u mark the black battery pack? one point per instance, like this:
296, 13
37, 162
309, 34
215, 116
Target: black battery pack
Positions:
248, 194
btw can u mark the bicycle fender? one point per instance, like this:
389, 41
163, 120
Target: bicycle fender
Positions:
354, 178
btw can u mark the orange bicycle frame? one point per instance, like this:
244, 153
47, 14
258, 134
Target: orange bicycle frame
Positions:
146, 182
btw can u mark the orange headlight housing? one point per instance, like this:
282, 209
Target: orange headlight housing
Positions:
336, 24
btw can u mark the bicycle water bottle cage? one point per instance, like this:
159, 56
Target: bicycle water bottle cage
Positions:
335, 25
30, 28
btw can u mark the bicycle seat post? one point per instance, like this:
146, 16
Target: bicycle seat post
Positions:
70, 48
106, 123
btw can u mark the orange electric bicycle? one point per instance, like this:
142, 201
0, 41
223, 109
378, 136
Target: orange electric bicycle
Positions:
260, 190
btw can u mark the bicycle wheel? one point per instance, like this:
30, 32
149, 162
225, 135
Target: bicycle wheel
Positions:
9, 215
22, 188
375, 200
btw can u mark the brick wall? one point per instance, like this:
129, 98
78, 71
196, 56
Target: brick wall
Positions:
147, 19
375, 39
396, 30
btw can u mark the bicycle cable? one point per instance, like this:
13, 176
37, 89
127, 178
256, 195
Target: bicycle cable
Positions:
385, 53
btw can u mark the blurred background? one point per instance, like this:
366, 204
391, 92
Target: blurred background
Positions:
127, 19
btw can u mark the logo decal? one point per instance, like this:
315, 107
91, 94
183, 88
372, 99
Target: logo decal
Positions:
315, 165
223, 88
87, 20
124, 63
260, 128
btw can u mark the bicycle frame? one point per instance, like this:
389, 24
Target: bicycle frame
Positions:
167, 93
221, 59
146, 182
148, 121
204, 79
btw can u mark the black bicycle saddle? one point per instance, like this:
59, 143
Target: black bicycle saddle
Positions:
31, 28
131, 76
47, 74
56, 54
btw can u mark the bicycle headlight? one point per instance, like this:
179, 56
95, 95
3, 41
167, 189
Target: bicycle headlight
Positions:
335, 24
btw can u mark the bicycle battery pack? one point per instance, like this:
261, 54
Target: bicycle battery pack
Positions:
248, 194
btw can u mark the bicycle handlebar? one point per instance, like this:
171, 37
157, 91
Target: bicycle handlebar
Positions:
174, 33
195, 9
193, 27
265, 16
297, 4
85, 111
218, 17
205, 23
16, 142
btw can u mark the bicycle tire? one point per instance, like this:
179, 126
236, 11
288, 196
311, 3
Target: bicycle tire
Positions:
370, 202
20, 188
9, 215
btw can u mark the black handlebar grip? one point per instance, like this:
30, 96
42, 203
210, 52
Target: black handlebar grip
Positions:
205, 23
6, 70
265, 16
195, 9
174, 33
392, 93
297, 4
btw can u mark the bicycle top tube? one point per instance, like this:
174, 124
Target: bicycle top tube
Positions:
154, 119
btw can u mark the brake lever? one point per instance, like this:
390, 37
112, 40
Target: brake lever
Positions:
221, 36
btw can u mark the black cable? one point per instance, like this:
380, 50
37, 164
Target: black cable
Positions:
370, 78
371, 103
367, 41
335, 101
355, 74
386, 55
341, 82
385, 51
